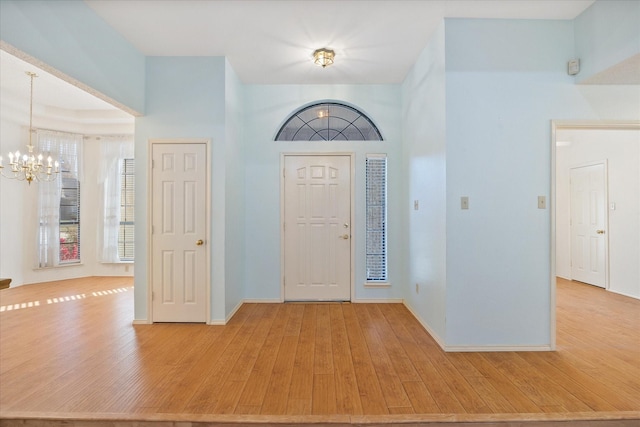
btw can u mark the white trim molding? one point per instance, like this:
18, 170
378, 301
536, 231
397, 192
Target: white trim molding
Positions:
494, 348
424, 324
374, 285
208, 144
352, 189
261, 301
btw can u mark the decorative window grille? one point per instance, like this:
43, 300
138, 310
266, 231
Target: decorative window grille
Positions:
127, 214
328, 121
376, 198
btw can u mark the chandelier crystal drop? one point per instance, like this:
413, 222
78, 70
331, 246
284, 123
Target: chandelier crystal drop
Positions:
30, 166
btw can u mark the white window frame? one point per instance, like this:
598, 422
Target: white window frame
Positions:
380, 236
67, 147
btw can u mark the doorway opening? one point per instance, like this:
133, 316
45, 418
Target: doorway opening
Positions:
578, 145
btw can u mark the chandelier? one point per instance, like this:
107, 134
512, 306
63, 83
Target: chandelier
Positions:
30, 166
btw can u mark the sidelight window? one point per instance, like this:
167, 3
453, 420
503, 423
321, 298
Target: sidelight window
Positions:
376, 223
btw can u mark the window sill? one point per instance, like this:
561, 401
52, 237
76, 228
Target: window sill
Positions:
119, 262
59, 266
377, 284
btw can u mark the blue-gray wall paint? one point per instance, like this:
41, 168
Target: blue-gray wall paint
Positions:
185, 99
70, 37
424, 170
607, 33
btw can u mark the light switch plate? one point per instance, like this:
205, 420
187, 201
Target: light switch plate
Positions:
464, 202
415, 205
542, 202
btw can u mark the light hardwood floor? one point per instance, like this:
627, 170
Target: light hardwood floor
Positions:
69, 349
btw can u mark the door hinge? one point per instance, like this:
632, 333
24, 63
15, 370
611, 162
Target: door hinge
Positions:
284, 173
284, 226
153, 164
284, 281
153, 296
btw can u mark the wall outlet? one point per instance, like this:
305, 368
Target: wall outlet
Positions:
542, 202
417, 288
416, 205
464, 202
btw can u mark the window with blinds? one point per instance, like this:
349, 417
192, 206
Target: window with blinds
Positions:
69, 231
127, 214
376, 200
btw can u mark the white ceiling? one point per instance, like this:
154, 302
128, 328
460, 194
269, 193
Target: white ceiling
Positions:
271, 42
267, 42
55, 101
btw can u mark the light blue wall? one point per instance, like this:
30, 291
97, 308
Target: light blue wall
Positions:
70, 37
424, 159
266, 108
606, 33
185, 99
234, 191
506, 80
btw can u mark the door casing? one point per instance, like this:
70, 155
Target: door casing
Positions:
354, 233
207, 233
555, 126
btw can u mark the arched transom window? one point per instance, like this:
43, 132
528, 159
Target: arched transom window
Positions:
328, 121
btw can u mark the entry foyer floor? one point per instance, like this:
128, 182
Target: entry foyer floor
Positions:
68, 350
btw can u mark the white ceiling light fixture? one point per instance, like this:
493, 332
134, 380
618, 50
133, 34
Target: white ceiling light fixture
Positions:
30, 166
323, 57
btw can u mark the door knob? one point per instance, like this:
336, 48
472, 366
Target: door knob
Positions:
200, 242
600, 231
344, 236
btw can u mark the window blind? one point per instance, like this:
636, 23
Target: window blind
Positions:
59, 201
376, 208
126, 245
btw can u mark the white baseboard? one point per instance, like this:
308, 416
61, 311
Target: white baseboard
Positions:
475, 348
140, 322
624, 294
496, 348
262, 301
235, 309
378, 301
217, 322
430, 331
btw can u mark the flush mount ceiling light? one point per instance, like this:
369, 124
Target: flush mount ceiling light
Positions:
323, 57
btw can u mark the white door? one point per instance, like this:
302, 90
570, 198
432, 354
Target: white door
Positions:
589, 224
317, 228
179, 261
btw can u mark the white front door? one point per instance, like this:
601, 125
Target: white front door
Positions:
589, 224
317, 228
179, 261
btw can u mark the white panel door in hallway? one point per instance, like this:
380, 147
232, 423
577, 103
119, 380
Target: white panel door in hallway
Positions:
589, 224
317, 228
179, 256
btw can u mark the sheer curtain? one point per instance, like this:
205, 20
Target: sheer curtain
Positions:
113, 149
67, 148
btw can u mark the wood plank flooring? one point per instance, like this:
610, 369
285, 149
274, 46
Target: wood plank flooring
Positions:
69, 347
